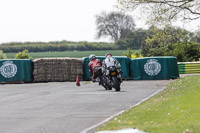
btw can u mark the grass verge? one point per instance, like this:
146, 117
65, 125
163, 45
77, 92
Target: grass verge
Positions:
174, 110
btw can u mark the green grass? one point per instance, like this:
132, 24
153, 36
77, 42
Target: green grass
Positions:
77, 54
174, 110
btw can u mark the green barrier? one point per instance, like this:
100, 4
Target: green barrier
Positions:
123, 60
181, 68
16, 70
154, 68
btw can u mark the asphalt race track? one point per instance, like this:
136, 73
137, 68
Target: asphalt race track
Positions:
62, 107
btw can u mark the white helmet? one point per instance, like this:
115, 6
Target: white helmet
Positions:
92, 57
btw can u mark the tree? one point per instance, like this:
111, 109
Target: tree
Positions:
133, 39
114, 24
22, 55
163, 11
157, 43
197, 37
171, 41
184, 51
121, 43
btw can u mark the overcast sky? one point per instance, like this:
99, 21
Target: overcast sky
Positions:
51, 20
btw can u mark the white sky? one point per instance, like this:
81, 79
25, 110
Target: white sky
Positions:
51, 20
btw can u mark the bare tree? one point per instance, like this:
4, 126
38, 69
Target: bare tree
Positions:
163, 11
115, 25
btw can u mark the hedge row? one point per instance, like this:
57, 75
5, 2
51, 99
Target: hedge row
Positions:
67, 46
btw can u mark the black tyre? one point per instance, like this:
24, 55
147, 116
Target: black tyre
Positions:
105, 86
116, 83
109, 87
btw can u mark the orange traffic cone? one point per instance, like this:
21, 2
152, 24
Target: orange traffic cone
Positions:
77, 81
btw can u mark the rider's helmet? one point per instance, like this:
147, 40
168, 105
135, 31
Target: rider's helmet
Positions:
108, 54
92, 57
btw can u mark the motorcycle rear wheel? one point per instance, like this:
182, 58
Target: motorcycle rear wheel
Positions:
109, 87
116, 83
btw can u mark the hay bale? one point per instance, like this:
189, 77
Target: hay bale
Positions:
57, 69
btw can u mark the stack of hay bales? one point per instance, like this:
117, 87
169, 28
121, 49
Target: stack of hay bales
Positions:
57, 69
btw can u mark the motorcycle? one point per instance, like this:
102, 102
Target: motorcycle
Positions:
112, 79
100, 78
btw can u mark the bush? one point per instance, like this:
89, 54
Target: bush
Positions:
136, 55
185, 51
22, 55
2, 55
130, 54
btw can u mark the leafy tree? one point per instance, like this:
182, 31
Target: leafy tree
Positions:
162, 11
137, 38
157, 43
114, 25
22, 55
2, 55
171, 41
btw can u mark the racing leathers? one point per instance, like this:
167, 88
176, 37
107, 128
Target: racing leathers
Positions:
93, 64
108, 62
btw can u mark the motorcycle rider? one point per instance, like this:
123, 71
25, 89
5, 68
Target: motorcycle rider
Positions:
110, 61
94, 63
